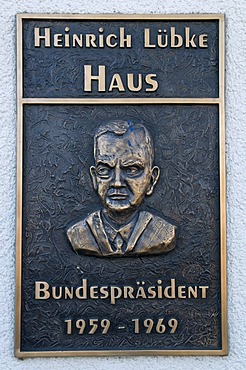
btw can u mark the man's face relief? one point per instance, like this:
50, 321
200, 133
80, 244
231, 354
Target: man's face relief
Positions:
122, 175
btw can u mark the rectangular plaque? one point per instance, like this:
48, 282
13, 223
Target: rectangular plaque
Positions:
121, 223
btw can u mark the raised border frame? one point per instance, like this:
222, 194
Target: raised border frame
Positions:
220, 101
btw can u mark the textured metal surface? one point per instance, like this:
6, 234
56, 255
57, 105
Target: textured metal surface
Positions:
57, 189
58, 192
183, 72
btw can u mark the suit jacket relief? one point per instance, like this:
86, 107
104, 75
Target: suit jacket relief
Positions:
151, 235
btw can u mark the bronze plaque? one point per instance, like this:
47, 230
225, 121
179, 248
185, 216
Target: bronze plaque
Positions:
120, 185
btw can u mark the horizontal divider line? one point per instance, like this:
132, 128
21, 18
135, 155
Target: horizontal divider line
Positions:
110, 16
110, 353
120, 101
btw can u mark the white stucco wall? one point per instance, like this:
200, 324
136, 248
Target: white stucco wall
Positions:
235, 12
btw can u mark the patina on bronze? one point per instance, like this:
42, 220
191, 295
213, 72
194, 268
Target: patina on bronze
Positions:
148, 91
123, 175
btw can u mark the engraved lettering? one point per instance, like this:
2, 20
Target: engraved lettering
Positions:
150, 81
58, 40
88, 77
115, 293
81, 292
130, 82
77, 40
192, 291
109, 41
116, 83
94, 292
128, 292
147, 43
38, 38
68, 292
169, 37
181, 292
90, 41
204, 291
203, 41
44, 291
125, 40
67, 39
176, 39
189, 40
57, 292
41, 290
162, 40
169, 291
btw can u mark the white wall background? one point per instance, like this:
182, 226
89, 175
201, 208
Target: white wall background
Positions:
235, 12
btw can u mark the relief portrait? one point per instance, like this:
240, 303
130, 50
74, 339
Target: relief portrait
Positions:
123, 174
